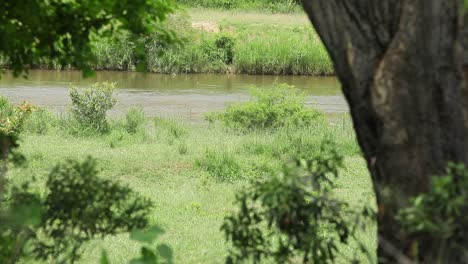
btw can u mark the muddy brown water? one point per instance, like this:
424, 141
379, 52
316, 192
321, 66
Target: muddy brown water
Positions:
183, 96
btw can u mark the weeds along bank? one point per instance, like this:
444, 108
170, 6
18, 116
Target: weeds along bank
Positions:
227, 46
274, 6
192, 173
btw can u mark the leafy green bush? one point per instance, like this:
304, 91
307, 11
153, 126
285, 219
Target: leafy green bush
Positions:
90, 105
440, 215
280, 106
135, 120
220, 48
78, 206
283, 218
12, 117
221, 165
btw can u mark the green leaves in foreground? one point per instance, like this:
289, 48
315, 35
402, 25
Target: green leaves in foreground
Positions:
62, 30
78, 206
293, 216
150, 254
441, 214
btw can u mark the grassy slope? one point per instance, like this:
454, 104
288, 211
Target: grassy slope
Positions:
190, 204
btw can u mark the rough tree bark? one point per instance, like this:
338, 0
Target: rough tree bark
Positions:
400, 63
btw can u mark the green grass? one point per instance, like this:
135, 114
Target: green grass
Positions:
275, 6
193, 188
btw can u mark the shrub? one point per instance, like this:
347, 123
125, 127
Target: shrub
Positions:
221, 165
280, 106
86, 207
90, 105
284, 217
12, 117
219, 49
78, 206
135, 120
440, 215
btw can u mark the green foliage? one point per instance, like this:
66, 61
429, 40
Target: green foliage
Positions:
280, 106
440, 215
18, 220
219, 49
135, 120
90, 106
80, 206
293, 216
12, 117
61, 30
221, 165
161, 254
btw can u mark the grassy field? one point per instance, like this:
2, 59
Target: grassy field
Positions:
221, 41
178, 165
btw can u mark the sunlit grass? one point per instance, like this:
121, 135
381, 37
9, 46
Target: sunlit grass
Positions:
190, 200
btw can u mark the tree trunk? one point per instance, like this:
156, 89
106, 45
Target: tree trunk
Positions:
400, 63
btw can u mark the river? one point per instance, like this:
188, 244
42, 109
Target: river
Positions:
183, 96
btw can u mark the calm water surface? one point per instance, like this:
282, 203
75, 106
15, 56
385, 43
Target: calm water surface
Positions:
184, 96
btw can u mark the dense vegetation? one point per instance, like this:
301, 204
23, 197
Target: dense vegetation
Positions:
210, 41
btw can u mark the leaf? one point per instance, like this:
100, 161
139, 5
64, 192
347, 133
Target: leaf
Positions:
165, 252
104, 258
148, 257
146, 236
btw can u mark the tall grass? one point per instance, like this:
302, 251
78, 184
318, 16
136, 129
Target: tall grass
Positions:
277, 6
232, 48
255, 50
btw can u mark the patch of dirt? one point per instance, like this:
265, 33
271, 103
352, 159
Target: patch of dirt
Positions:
206, 26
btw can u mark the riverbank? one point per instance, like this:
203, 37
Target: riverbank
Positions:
221, 41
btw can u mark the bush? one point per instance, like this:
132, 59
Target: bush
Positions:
282, 219
78, 206
219, 49
281, 106
135, 120
90, 105
12, 117
221, 165
440, 215
87, 207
